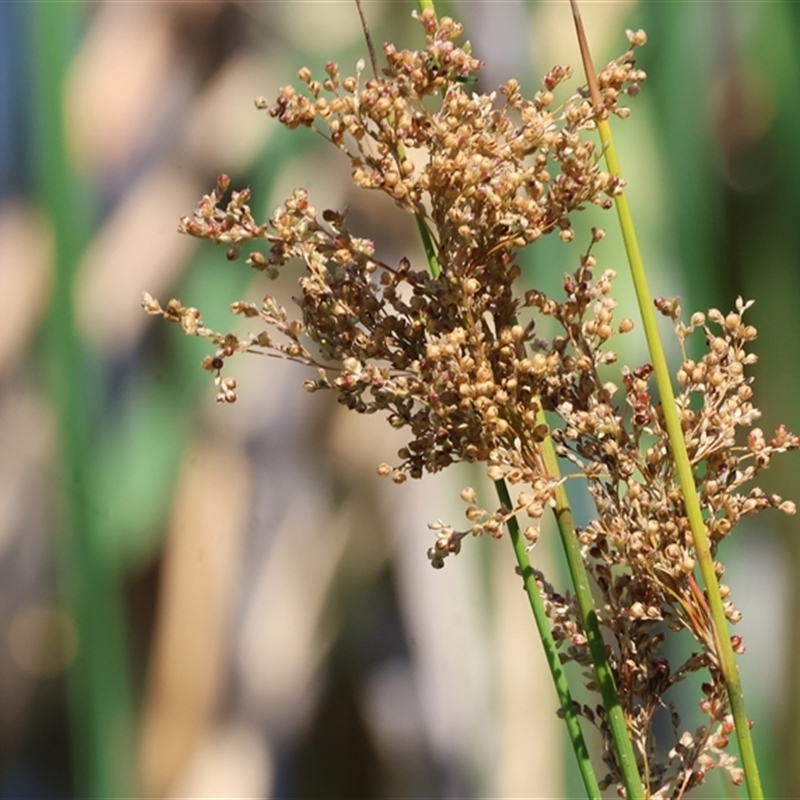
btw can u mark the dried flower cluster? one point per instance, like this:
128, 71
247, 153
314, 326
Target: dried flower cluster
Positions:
452, 357
487, 182
639, 547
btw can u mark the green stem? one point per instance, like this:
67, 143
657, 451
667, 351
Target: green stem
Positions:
430, 249
727, 660
550, 649
626, 758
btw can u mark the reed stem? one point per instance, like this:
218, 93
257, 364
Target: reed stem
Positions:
727, 660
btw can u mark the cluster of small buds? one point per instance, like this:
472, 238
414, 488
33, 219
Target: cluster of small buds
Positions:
489, 178
229, 344
621, 77
235, 226
639, 548
699, 753
448, 540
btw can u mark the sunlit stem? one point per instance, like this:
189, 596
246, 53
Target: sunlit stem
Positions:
727, 659
626, 758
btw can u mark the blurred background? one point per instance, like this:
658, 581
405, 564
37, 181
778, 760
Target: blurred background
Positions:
201, 600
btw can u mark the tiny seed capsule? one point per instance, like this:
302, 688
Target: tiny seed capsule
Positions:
732, 321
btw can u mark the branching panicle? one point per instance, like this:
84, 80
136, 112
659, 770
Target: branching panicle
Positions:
453, 360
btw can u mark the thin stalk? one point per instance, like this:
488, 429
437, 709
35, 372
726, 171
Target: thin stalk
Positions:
626, 758
683, 466
430, 248
550, 649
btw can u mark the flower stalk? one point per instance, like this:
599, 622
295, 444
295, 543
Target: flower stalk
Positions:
724, 647
620, 734
550, 648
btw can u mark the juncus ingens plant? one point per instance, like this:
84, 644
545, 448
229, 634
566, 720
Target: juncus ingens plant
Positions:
451, 354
